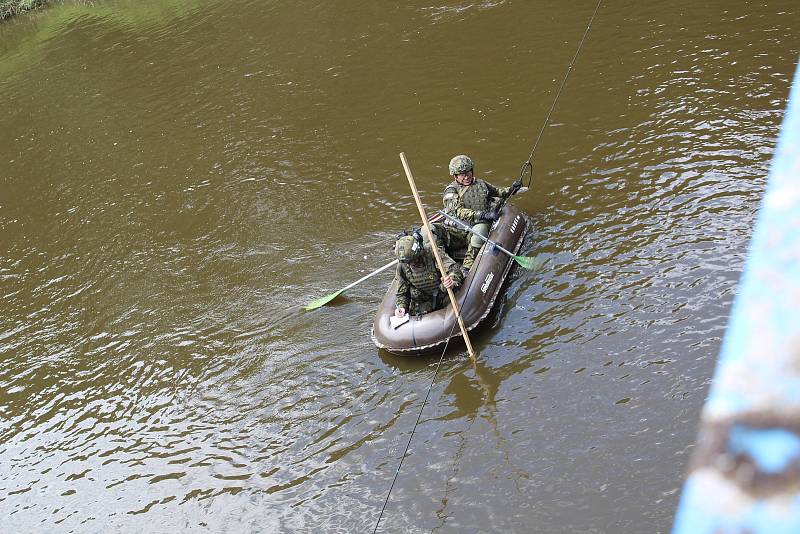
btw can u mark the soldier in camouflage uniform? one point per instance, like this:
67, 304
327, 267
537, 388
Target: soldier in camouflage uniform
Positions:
475, 202
420, 289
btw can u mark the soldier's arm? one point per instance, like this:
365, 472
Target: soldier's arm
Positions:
452, 269
501, 192
403, 296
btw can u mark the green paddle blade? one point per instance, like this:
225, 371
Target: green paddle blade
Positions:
322, 301
530, 263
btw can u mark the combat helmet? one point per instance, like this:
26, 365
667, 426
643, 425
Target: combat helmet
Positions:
460, 164
407, 249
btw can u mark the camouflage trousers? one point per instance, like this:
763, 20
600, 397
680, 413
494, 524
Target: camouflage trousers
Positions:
422, 303
469, 240
455, 240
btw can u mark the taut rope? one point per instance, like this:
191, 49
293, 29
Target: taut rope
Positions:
424, 402
528, 165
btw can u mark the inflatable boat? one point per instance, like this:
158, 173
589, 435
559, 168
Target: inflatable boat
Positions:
476, 296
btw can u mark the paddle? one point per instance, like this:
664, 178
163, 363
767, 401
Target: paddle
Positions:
524, 261
437, 255
318, 303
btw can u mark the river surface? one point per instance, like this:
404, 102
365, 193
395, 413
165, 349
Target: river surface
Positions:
179, 177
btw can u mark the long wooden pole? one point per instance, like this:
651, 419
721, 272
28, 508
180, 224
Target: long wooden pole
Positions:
436, 254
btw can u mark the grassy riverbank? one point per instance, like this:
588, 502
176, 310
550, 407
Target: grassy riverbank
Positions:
12, 7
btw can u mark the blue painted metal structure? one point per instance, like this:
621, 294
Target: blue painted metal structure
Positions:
745, 472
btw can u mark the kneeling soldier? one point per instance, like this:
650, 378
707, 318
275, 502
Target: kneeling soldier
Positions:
474, 201
420, 290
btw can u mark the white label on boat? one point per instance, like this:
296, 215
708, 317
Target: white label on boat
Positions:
514, 224
485, 284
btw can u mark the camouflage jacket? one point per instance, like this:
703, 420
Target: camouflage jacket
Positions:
464, 202
420, 287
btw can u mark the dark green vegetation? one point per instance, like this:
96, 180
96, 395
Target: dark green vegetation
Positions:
12, 7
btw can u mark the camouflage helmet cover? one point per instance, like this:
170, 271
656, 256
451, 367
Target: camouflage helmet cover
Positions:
407, 248
460, 164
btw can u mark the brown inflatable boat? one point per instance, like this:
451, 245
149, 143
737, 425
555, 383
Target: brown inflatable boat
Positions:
426, 333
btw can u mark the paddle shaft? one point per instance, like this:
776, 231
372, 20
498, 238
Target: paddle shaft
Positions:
318, 303
435, 249
373, 273
466, 227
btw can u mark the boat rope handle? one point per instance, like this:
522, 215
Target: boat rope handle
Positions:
528, 165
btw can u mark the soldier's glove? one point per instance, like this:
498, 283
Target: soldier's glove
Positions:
516, 186
489, 216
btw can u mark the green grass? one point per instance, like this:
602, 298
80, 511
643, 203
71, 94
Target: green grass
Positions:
12, 7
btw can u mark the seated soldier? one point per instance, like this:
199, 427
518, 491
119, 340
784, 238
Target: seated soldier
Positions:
475, 202
420, 289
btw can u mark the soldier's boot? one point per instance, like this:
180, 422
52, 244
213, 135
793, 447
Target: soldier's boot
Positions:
469, 258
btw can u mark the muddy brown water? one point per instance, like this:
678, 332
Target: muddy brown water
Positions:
178, 178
